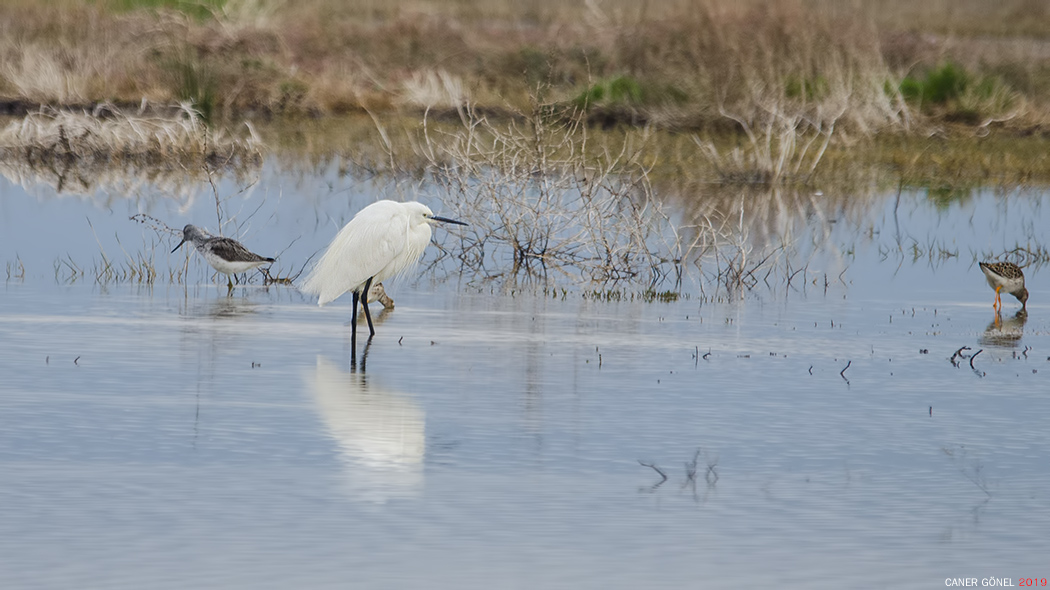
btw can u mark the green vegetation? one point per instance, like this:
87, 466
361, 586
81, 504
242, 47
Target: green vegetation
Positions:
626, 91
957, 95
200, 9
651, 296
938, 86
618, 90
194, 83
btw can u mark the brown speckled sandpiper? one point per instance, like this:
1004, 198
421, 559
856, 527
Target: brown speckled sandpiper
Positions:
1005, 277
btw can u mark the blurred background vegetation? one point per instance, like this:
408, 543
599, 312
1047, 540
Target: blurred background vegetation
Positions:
678, 64
752, 90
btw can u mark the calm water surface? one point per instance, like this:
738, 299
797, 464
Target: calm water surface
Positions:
174, 437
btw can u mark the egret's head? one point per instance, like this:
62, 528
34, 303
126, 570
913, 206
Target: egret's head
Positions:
429, 217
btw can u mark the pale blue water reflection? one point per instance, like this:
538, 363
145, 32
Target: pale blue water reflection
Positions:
172, 437
208, 442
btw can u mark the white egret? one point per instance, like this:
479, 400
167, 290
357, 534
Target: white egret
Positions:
382, 241
225, 255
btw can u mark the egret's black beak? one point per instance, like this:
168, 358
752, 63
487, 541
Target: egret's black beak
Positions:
179, 246
447, 220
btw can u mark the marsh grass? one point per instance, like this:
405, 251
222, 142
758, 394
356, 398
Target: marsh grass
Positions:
961, 96
76, 151
785, 93
137, 267
1003, 154
109, 135
681, 64
1031, 253
553, 202
954, 162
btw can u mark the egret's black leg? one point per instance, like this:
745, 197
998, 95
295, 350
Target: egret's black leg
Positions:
353, 325
364, 355
364, 304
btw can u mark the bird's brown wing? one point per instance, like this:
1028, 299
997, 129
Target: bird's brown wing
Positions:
234, 251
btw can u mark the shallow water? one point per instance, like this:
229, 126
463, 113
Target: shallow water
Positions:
173, 437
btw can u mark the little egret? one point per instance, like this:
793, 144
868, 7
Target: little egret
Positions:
225, 255
382, 241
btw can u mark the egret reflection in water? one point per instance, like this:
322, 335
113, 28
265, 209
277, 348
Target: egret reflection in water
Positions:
380, 433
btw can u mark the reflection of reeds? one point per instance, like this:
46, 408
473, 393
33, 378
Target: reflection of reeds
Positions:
16, 269
1031, 254
77, 151
1028, 251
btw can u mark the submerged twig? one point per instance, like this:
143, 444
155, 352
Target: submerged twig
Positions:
959, 354
663, 475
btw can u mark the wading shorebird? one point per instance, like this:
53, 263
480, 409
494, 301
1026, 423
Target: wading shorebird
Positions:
378, 293
1005, 277
383, 240
225, 255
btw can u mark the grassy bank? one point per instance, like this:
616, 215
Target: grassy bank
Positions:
948, 93
808, 65
948, 155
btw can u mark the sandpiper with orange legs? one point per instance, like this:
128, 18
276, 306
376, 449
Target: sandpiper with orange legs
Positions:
1005, 277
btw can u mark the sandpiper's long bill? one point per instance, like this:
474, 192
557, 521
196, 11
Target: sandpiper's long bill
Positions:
1005, 277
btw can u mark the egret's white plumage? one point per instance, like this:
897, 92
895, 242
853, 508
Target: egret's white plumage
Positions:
382, 241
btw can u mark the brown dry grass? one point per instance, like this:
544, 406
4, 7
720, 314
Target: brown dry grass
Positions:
691, 60
759, 90
79, 151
